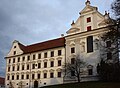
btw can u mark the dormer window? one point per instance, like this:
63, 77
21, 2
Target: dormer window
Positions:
89, 28
88, 19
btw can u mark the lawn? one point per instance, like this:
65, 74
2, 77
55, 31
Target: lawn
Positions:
88, 85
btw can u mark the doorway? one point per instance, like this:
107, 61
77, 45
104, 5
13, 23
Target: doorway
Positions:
35, 84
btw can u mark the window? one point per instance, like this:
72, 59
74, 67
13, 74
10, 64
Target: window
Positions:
17, 77
90, 72
18, 59
33, 66
72, 60
45, 55
39, 65
14, 52
59, 52
45, 75
108, 44
23, 59
28, 58
9, 60
52, 64
34, 57
51, 75
22, 76
73, 50
72, 73
89, 28
22, 67
45, 64
13, 68
8, 69
27, 66
52, 53
33, 76
89, 44
38, 76
44, 83
14, 46
88, 19
59, 74
27, 76
18, 67
39, 56
8, 77
59, 62
13, 60
12, 77
109, 56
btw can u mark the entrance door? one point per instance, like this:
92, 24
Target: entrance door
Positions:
35, 84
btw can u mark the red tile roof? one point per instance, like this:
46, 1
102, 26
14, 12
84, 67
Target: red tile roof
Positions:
2, 81
59, 42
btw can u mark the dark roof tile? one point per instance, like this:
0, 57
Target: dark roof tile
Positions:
59, 42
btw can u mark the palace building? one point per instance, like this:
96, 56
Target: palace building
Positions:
41, 64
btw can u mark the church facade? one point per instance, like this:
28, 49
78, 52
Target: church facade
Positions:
41, 64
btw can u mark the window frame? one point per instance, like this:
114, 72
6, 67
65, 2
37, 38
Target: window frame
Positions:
45, 75
89, 28
51, 74
59, 52
45, 55
52, 53
51, 63
59, 74
88, 19
59, 62
45, 64
72, 50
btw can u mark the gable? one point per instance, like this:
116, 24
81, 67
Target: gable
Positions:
88, 9
16, 49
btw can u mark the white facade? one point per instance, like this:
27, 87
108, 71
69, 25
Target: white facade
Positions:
24, 71
77, 38
90, 23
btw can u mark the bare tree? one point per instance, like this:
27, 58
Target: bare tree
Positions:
73, 68
116, 9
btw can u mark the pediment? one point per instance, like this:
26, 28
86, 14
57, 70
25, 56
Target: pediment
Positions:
88, 9
73, 30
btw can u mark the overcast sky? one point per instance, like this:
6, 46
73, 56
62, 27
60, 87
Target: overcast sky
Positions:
32, 21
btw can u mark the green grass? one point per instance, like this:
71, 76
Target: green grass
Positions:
87, 85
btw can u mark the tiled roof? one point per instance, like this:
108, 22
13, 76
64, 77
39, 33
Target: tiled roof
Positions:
2, 81
59, 42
